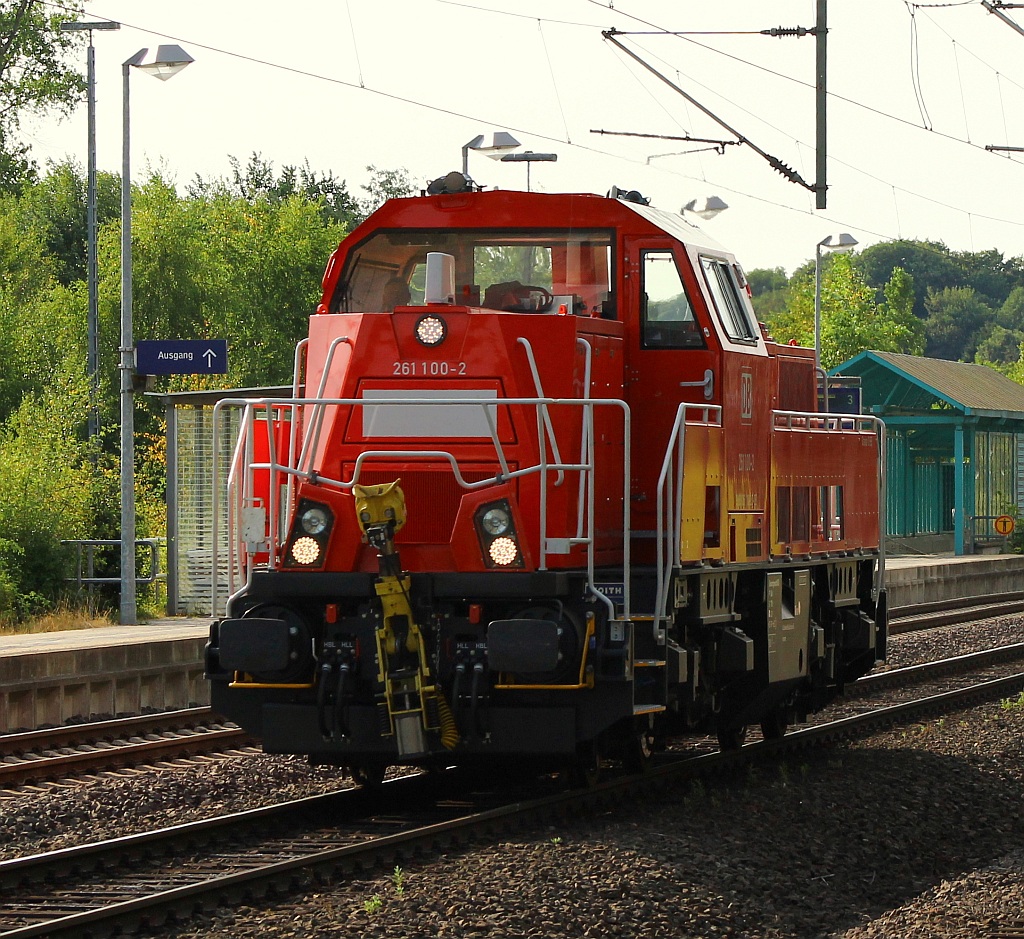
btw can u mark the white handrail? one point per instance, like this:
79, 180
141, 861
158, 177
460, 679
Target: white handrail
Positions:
241, 482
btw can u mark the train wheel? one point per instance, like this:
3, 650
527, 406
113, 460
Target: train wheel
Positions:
368, 775
731, 738
773, 727
639, 747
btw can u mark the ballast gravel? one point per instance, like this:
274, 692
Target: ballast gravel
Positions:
914, 833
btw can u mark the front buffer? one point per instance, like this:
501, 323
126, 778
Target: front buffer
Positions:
419, 669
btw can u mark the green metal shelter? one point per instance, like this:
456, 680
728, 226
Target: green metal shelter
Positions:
955, 434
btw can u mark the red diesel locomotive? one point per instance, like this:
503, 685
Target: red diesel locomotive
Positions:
545, 491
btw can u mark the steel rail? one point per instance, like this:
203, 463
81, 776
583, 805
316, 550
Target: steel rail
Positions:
42, 755
183, 900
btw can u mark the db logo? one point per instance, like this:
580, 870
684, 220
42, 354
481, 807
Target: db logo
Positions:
746, 395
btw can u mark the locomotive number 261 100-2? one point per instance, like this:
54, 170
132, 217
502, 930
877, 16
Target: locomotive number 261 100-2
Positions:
436, 369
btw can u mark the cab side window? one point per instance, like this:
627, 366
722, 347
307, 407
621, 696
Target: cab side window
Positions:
732, 311
667, 314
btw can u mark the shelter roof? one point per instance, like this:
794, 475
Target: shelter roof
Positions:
892, 381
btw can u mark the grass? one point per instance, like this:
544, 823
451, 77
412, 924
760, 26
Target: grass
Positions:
57, 621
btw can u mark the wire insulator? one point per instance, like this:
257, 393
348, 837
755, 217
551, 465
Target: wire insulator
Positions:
781, 31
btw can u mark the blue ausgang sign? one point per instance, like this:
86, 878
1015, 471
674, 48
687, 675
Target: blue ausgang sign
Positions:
181, 357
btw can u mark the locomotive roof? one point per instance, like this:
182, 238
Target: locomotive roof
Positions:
676, 226
587, 210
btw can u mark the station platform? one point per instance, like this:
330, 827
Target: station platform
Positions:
51, 678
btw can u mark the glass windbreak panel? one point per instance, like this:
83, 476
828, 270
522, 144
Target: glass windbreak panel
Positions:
517, 271
667, 314
732, 311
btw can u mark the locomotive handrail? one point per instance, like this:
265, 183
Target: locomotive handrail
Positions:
588, 353
542, 409
312, 441
292, 470
820, 421
668, 547
849, 423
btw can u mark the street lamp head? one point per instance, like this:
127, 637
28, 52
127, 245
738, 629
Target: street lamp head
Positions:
165, 63
494, 145
529, 157
839, 243
706, 209
79, 26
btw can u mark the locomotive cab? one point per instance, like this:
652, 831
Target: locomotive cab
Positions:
544, 491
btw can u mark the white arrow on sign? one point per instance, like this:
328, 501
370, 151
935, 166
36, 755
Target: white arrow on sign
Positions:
209, 355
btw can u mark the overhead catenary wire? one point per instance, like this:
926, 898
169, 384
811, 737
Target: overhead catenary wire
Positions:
585, 148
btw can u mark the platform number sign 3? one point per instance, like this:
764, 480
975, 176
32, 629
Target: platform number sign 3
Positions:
746, 395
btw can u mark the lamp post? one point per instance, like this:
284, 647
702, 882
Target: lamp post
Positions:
92, 329
494, 145
839, 244
165, 63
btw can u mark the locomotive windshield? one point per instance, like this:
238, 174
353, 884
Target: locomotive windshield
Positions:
519, 271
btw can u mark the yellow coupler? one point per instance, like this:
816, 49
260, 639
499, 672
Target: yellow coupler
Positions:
414, 703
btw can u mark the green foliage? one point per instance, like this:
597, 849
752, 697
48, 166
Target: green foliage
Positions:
384, 185
35, 76
1011, 313
770, 292
851, 319
998, 347
1013, 704
57, 207
955, 316
45, 486
258, 182
210, 265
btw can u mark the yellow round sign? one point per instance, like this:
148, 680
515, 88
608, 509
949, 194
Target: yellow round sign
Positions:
1003, 525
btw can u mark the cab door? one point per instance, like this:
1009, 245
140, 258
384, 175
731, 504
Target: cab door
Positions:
673, 356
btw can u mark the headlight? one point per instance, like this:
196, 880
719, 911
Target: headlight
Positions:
431, 330
313, 521
306, 551
503, 551
495, 521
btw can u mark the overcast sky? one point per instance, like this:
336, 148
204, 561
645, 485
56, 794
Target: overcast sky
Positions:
916, 94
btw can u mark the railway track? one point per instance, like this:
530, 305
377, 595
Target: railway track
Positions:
149, 878
41, 755
951, 612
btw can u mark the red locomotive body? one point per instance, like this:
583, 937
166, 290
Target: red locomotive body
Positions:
545, 490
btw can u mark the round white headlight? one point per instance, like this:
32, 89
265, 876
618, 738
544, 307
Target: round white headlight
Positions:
431, 330
306, 550
313, 521
503, 551
495, 521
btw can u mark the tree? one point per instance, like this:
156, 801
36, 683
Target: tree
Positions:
999, 346
384, 185
851, 320
955, 315
258, 181
1011, 313
991, 275
34, 77
769, 291
28, 273
56, 206
927, 262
